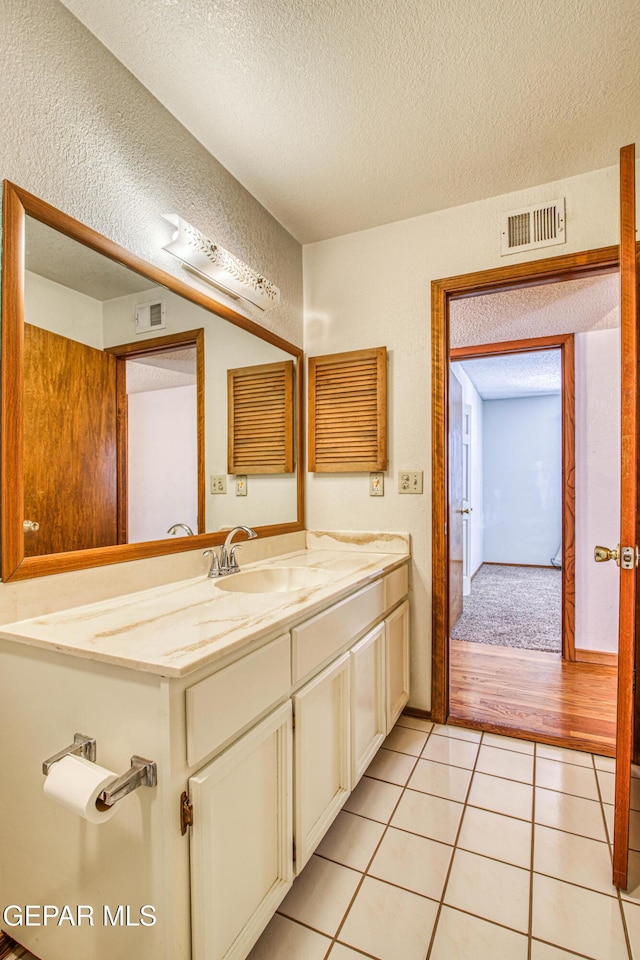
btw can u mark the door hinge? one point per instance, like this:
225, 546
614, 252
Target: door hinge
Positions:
186, 813
633, 682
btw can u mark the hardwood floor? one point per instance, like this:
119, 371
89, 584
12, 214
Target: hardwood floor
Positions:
538, 696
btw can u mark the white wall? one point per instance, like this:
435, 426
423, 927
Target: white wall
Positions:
60, 310
162, 462
522, 479
597, 486
83, 134
471, 397
373, 288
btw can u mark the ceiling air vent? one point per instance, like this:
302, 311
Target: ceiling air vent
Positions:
150, 316
531, 227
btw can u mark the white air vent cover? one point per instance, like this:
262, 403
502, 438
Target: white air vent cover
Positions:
150, 316
531, 227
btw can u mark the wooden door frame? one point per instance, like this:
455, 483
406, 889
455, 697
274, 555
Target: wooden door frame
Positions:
565, 344
516, 276
129, 351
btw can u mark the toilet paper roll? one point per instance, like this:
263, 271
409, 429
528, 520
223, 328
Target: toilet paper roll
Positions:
76, 783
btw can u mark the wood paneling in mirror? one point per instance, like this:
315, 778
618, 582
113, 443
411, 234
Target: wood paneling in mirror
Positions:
348, 411
260, 418
18, 204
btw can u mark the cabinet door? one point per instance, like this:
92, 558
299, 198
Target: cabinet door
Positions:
322, 755
368, 714
397, 643
241, 839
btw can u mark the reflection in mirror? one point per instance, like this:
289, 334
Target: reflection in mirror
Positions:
124, 402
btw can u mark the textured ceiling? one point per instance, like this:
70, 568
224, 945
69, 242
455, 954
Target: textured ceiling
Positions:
515, 375
162, 371
573, 306
347, 114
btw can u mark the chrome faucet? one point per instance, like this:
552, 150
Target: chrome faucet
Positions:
174, 529
226, 563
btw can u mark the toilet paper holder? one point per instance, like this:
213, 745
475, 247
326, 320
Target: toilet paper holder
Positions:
142, 773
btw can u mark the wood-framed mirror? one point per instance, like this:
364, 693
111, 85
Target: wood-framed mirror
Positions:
114, 404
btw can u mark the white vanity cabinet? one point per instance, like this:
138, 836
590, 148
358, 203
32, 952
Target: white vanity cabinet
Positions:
241, 839
267, 741
322, 755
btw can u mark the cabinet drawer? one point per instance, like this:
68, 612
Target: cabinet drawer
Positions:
224, 703
316, 640
396, 586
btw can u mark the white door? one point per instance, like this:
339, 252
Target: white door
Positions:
466, 497
321, 756
241, 839
368, 714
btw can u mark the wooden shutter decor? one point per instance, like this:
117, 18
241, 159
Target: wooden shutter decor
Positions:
260, 418
348, 411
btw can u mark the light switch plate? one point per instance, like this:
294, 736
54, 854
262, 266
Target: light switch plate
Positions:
241, 486
218, 482
376, 484
410, 481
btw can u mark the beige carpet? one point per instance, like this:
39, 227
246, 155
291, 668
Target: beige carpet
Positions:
514, 607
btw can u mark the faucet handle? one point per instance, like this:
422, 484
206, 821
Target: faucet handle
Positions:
233, 563
214, 569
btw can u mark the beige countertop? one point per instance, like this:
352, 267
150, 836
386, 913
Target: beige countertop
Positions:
178, 628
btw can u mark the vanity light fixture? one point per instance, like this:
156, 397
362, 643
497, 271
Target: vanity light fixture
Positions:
219, 267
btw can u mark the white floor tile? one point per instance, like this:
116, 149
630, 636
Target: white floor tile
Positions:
283, 940
462, 937
505, 763
497, 836
508, 743
416, 863
632, 917
374, 798
406, 740
605, 763
340, 952
607, 784
459, 753
502, 796
569, 813
457, 733
545, 751
351, 840
415, 723
578, 860
580, 920
542, 951
320, 895
428, 816
567, 778
389, 923
489, 889
440, 779
391, 766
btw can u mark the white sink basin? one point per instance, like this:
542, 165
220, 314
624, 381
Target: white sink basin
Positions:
273, 580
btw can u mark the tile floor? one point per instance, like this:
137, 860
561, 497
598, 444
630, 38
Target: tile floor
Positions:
458, 845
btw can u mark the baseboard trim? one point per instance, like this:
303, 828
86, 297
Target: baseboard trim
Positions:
415, 712
537, 566
602, 657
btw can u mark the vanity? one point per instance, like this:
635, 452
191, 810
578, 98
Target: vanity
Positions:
261, 697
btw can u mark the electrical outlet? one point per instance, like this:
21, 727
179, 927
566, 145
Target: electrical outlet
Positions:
410, 481
241, 486
218, 482
376, 484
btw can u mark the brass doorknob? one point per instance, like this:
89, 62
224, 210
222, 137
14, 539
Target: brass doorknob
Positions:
602, 554
31, 526
467, 510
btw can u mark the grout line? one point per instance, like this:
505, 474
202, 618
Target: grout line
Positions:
533, 833
453, 855
377, 847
